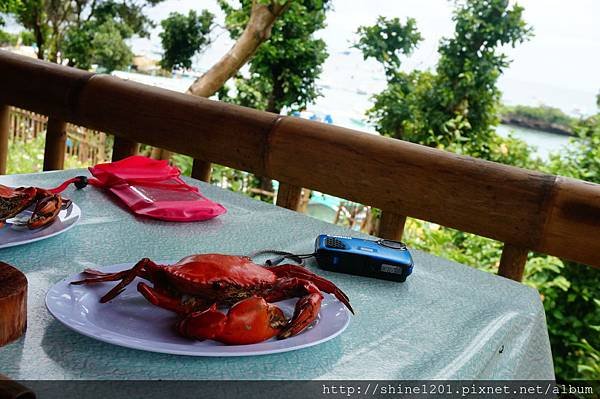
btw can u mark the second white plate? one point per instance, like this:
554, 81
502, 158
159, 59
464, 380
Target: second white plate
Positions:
130, 321
11, 236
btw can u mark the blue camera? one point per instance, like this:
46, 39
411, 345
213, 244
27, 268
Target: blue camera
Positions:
384, 259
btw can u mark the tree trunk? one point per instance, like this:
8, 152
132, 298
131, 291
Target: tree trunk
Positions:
257, 31
39, 41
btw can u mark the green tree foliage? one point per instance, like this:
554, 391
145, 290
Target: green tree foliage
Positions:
109, 50
183, 36
285, 68
387, 41
14, 39
8, 39
101, 43
457, 103
7, 7
65, 29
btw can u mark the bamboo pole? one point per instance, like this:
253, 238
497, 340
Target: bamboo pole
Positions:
54, 150
289, 196
391, 226
4, 135
512, 262
123, 148
201, 170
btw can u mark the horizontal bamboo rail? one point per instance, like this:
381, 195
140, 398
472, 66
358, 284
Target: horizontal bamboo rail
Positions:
527, 210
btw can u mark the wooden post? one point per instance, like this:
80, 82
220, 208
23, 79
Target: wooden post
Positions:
4, 134
122, 148
56, 143
512, 262
201, 170
288, 196
391, 226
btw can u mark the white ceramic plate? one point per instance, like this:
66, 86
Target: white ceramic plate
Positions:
130, 321
11, 235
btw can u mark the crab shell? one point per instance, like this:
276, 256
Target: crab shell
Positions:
211, 274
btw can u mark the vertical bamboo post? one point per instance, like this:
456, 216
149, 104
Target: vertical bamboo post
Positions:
512, 262
289, 196
201, 170
391, 226
4, 133
123, 148
56, 143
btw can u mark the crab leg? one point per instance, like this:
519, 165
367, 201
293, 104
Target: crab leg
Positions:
162, 300
249, 321
324, 285
141, 269
101, 277
307, 307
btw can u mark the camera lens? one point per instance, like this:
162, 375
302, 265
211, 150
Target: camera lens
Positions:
392, 244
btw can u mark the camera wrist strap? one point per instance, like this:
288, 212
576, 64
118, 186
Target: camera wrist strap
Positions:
283, 255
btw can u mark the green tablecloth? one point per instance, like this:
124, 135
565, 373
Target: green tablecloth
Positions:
448, 321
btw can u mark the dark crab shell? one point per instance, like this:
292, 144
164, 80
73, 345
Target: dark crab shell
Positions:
14, 201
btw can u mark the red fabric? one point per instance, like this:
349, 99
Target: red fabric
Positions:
153, 188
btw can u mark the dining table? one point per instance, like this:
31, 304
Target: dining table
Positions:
447, 321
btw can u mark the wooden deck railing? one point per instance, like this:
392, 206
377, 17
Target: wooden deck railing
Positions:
526, 210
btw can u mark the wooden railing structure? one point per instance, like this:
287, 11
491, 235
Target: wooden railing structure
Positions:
526, 210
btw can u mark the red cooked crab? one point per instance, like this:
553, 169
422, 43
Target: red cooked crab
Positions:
15, 200
197, 284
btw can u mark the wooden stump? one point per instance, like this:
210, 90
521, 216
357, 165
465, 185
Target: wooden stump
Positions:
13, 303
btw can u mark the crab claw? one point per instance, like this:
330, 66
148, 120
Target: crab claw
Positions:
46, 210
249, 321
307, 307
290, 271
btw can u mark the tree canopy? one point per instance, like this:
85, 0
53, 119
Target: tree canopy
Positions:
7, 7
284, 69
183, 36
74, 29
387, 41
456, 103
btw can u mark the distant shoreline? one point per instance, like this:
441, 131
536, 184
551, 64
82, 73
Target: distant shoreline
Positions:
542, 117
534, 124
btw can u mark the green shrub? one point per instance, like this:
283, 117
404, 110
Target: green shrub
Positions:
8, 39
28, 157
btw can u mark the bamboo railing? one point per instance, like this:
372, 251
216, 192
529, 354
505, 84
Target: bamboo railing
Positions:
526, 210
